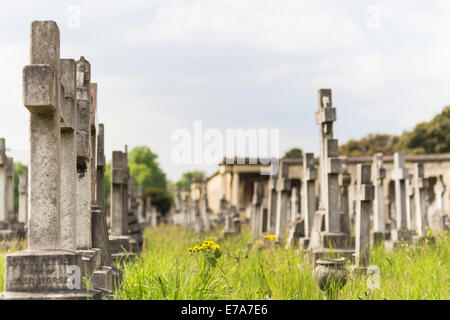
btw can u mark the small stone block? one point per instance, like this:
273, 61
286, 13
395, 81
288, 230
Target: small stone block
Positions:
325, 115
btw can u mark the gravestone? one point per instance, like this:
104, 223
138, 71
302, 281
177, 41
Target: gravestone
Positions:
297, 223
410, 205
308, 196
23, 201
9, 170
44, 270
420, 185
256, 209
272, 204
206, 224
283, 188
364, 209
3, 194
328, 240
437, 217
400, 174
344, 182
379, 233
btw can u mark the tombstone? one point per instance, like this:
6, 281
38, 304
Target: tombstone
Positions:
364, 209
344, 182
297, 224
272, 204
84, 183
206, 224
9, 170
3, 193
134, 228
399, 175
41, 95
437, 218
140, 206
23, 201
420, 185
93, 159
68, 155
283, 188
410, 205
121, 244
256, 209
379, 214
328, 239
308, 195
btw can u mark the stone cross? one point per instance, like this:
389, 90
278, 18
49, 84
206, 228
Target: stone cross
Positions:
399, 174
23, 200
3, 210
256, 218
308, 191
379, 173
93, 119
365, 196
410, 204
330, 165
344, 181
283, 188
117, 215
437, 217
271, 204
295, 204
420, 185
41, 91
68, 215
10, 187
84, 150
140, 204
101, 164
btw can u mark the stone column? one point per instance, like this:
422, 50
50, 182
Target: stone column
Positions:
92, 160
84, 192
379, 214
399, 175
364, 200
295, 205
308, 191
256, 209
283, 189
344, 181
272, 204
330, 165
117, 194
420, 185
68, 219
23, 200
3, 210
410, 205
41, 90
125, 197
101, 163
10, 187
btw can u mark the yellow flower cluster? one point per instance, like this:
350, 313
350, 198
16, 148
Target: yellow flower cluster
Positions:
270, 236
206, 246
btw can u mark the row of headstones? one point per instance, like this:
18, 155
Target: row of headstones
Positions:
11, 224
324, 226
68, 236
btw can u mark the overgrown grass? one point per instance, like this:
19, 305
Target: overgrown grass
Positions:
166, 270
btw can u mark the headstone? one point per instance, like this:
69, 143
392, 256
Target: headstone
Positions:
52, 268
256, 209
140, 205
344, 182
101, 165
308, 193
3, 194
206, 224
84, 169
410, 205
363, 212
272, 204
420, 185
10, 188
69, 177
379, 213
283, 188
399, 175
437, 217
23, 200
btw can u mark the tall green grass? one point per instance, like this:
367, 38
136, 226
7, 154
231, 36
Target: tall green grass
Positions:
166, 270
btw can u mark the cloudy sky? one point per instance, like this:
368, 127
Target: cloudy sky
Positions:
161, 65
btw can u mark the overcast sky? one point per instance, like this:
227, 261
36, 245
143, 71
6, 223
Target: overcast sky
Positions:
161, 65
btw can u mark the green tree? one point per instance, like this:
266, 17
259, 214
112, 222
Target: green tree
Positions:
187, 177
369, 145
294, 153
428, 137
159, 198
19, 170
